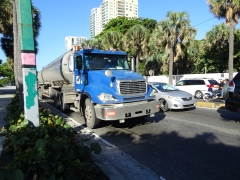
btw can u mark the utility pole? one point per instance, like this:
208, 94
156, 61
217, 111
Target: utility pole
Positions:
28, 57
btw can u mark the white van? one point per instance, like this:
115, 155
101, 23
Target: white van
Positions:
196, 87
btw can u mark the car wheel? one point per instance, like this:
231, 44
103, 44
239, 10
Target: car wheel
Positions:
163, 105
198, 94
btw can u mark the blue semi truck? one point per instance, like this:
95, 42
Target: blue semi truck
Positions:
99, 83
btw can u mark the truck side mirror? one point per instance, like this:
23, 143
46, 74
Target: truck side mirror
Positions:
71, 63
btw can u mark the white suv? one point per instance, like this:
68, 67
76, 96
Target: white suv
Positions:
197, 87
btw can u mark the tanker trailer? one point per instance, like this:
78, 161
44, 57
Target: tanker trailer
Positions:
99, 83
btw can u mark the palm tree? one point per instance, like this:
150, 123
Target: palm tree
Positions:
97, 43
136, 41
229, 10
87, 43
5, 13
218, 36
216, 45
174, 34
112, 39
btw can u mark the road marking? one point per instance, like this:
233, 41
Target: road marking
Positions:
225, 130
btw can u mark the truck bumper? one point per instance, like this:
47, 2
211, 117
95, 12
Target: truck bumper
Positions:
126, 110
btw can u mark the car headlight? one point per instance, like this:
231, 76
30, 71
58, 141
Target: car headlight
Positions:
106, 97
174, 98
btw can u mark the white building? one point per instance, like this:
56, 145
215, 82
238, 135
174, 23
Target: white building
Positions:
71, 41
95, 22
110, 9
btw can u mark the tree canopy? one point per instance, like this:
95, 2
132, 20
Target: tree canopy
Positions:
122, 24
6, 27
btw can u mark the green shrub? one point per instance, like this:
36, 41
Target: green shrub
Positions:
51, 151
14, 112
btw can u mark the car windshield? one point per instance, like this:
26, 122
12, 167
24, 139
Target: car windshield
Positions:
106, 61
165, 87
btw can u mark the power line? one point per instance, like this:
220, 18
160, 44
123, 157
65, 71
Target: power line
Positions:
204, 21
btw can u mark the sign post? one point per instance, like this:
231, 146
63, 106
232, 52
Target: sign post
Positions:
28, 57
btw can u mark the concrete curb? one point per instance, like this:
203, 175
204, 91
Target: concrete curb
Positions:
210, 105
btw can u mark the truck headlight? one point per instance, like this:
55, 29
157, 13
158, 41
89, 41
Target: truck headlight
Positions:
106, 97
174, 98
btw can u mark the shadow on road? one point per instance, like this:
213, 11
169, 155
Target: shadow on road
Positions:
176, 157
229, 115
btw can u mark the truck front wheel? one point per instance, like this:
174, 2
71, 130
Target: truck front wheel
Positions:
90, 116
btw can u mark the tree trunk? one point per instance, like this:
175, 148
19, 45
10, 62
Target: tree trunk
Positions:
137, 63
17, 56
170, 81
15, 35
230, 60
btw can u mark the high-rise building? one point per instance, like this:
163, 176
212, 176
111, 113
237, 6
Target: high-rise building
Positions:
71, 41
110, 9
95, 22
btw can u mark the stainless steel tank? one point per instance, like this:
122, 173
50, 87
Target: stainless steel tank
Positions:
57, 71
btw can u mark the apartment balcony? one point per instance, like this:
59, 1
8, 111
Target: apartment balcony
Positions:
121, 14
121, 11
121, 8
121, 3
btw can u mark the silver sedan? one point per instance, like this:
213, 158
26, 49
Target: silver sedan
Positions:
170, 97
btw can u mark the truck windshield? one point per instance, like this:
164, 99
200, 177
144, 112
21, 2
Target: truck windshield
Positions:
103, 62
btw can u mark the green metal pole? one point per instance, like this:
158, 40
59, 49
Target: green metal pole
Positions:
28, 58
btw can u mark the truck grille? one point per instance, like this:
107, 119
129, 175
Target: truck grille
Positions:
132, 87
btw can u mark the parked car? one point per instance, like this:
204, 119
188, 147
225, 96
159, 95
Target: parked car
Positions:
197, 87
170, 97
233, 100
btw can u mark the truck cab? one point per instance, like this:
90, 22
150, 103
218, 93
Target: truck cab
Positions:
101, 85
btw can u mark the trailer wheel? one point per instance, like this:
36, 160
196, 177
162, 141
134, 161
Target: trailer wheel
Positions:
90, 116
56, 100
64, 107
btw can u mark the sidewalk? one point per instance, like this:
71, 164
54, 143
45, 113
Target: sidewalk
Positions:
5, 99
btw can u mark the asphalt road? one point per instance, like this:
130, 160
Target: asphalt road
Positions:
8, 90
198, 143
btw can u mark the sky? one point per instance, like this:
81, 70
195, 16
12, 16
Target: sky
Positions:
71, 18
